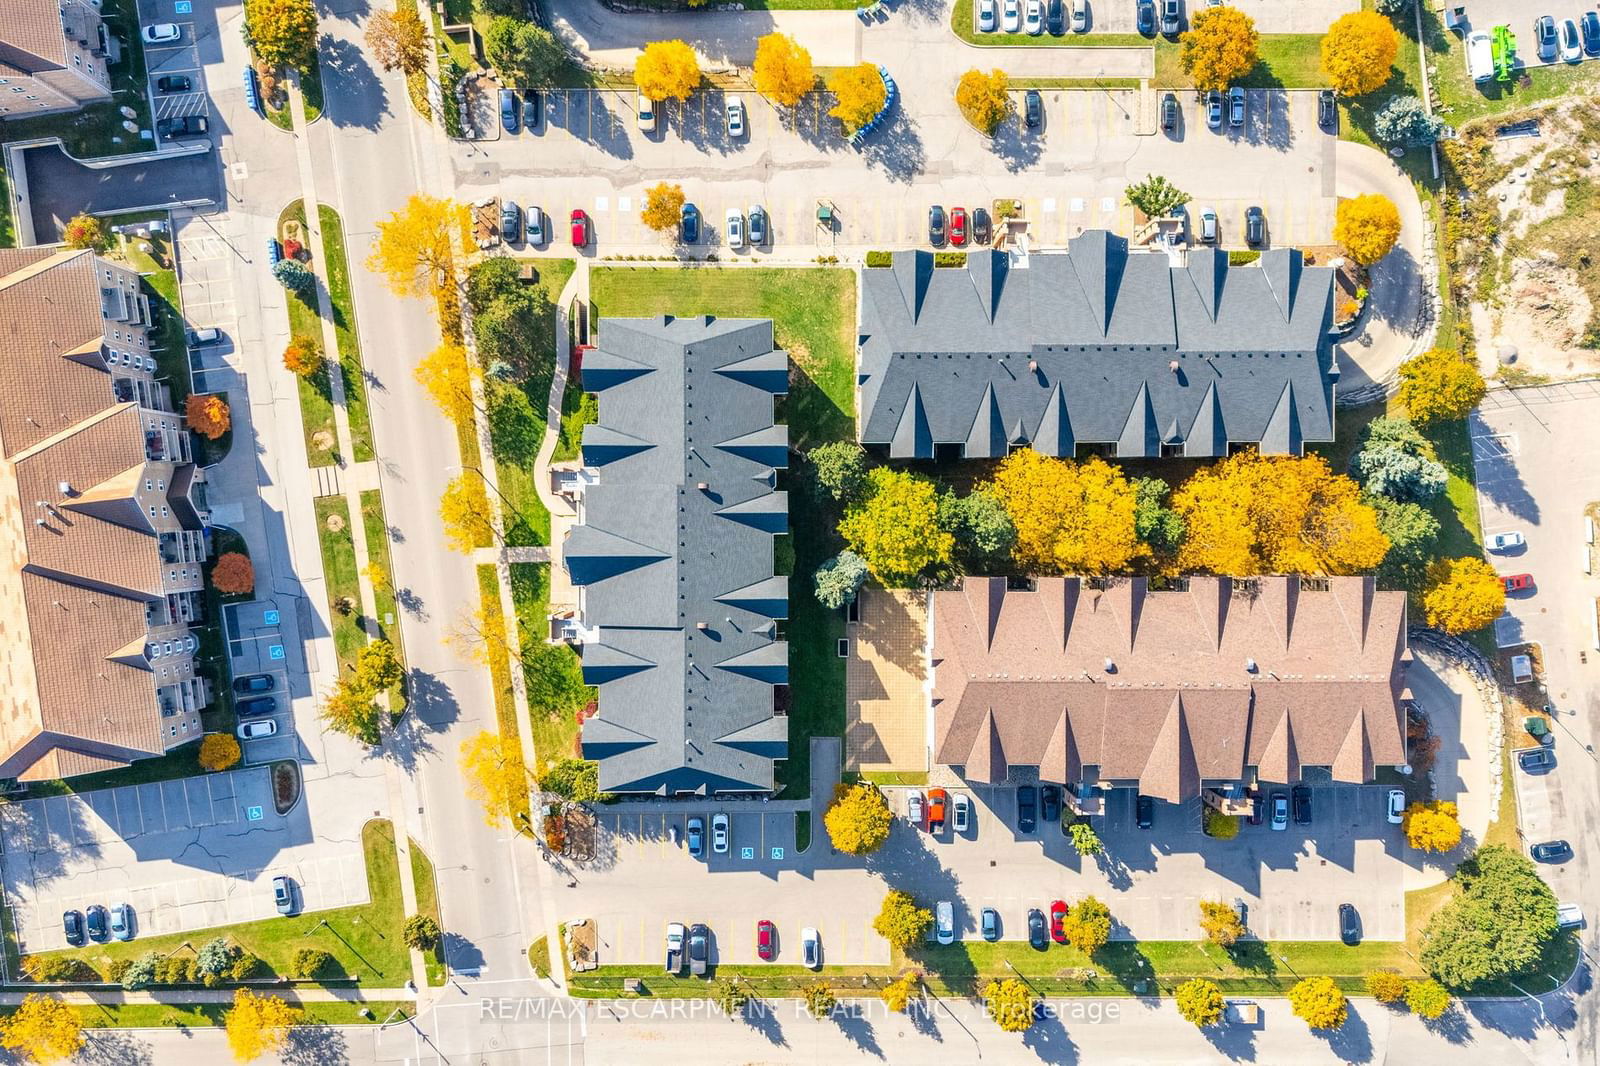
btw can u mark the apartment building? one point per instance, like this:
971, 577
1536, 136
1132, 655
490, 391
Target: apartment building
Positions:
55, 55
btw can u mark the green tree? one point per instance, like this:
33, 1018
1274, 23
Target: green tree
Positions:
1318, 1002
858, 819
1404, 120
1397, 461
294, 276
283, 32
1496, 926
141, 973
1010, 1003
1412, 533
575, 780
839, 579
523, 52
900, 921
896, 528
1085, 841
983, 530
840, 469
516, 331
421, 932
1427, 998
1156, 196
1439, 386
729, 995
311, 964
1199, 1001
1158, 525
1087, 925
215, 957
554, 677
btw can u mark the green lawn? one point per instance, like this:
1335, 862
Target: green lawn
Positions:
813, 315
365, 940
377, 531
339, 572
316, 398
555, 736
8, 225
336, 274
428, 903
505, 704
209, 1015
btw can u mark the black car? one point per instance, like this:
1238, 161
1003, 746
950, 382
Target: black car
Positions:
72, 926
1255, 226
1027, 808
1327, 110
1301, 797
173, 83
1144, 812
689, 224
1038, 935
187, 126
1051, 796
1535, 760
1551, 851
256, 705
1056, 18
1257, 804
699, 949
1589, 26
1169, 113
98, 929
980, 226
1033, 108
1147, 17
1349, 925
935, 224
254, 683
531, 109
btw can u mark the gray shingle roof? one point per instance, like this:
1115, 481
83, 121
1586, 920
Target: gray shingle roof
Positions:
1143, 353
674, 555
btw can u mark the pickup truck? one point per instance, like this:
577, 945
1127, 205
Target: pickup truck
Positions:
675, 948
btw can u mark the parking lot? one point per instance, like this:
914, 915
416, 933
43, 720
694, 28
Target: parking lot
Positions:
185, 854
175, 59
256, 648
1119, 16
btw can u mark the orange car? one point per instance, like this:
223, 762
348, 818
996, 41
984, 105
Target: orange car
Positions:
938, 799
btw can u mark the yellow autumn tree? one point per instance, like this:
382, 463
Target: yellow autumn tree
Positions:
858, 819
1255, 514
1319, 1002
663, 206
1071, 517
1460, 595
667, 70
218, 751
416, 247
258, 1025
1010, 1004
896, 529
985, 99
1432, 826
1385, 986
898, 994
1439, 386
495, 776
42, 1029
464, 509
1358, 52
302, 357
447, 375
1219, 47
1367, 227
783, 71
397, 40
859, 94
283, 32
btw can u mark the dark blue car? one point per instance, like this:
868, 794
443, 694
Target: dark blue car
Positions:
689, 224
1147, 17
510, 111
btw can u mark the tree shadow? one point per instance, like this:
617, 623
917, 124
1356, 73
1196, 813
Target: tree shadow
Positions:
1047, 1037
896, 148
762, 1017
1352, 1041
355, 95
856, 1027
1017, 146
112, 1047
431, 701
313, 1045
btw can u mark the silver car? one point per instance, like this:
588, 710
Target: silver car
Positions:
719, 833
945, 922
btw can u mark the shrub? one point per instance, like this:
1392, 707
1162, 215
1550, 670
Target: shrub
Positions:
218, 751
59, 968
245, 967
1200, 1002
141, 972
880, 259
1427, 998
1222, 826
949, 259
216, 956
176, 970
1319, 1002
1385, 986
118, 970
311, 964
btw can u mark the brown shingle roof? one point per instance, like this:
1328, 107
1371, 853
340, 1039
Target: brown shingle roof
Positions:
1169, 688
30, 30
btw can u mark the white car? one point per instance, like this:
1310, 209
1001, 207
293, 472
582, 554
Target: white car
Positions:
1397, 806
162, 33
944, 922
986, 16
914, 808
733, 228
1011, 15
255, 730
1208, 225
719, 833
647, 114
1571, 43
961, 813
536, 232
1080, 16
1569, 915
1034, 20
1499, 542
735, 118
811, 948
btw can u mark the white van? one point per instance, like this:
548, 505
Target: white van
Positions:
1480, 56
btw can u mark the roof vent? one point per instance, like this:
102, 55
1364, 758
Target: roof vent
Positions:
1250, 666
65, 488
703, 486
1111, 665
701, 625
1173, 366
1033, 364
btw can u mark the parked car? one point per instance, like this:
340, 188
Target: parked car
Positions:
1302, 805
1255, 226
689, 224
699, 949
1535, 760
1055, 17
944, 921
1589, 26
72, 927
960, 813
510, 221
97, 923
733, 228
173, 83
1544, 36
1236, 106
1011, 16
719, 833
258, 729
1517, 582
646, 110
810, 948
1208, 225
1169, 113
980, 225
697, 836
758, 225
1145, 17
1571, 42
1058, 915
938, 801
122, 921
1171, 17
1144, 812
1397, 806
1037, 938
1551, 851
1214, 109
283, 895
187, 126
1033, 18
200, 338
675, 938
255, 705
162, 33
1080, 16
914, 808
531, 109
1280, 811
1501, 542
510, 111
1349, 925
986, 16
735, 115
1050, 800
1327, 109
936, 225
1027, 808
766, 940
1032, 108
1257, 805
580, 228
254, 683
536, 232
1569, 916
989, 924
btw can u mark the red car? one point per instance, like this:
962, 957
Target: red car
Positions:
958, 226
1058, 914
580, 228
766, 940
1517, 582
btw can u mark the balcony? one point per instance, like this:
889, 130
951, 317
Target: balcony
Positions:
155, 445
